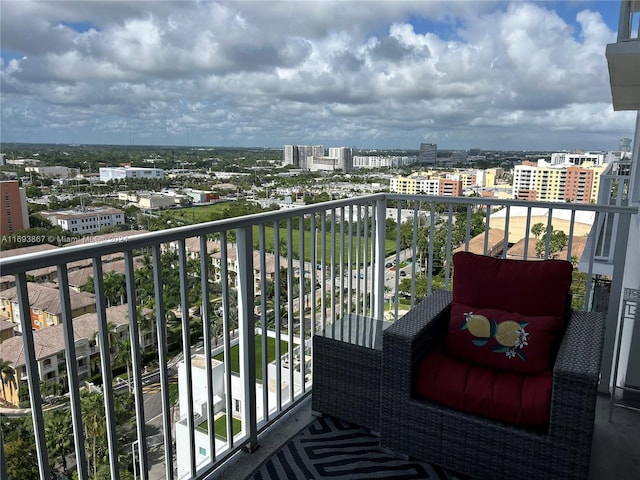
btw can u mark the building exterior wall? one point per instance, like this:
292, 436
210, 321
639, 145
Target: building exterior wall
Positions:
14, 215
120, 173
87, 221
450, 188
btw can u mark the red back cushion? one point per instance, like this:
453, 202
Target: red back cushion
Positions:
528, 287
503, 340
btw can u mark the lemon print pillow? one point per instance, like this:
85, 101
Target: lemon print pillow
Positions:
503, 340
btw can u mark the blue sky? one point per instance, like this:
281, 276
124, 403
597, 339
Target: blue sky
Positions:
481, 74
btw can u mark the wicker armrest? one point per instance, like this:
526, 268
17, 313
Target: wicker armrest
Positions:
409, 339
580, 352
575, 376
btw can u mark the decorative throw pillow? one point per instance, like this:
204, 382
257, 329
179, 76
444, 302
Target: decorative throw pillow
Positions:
528, 287
507, 341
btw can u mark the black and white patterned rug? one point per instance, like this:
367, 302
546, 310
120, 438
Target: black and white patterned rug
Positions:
330, 448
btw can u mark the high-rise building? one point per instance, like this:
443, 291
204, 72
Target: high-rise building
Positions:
557, 183
625, 144
300, 155
344, 157
14, 215
428, 153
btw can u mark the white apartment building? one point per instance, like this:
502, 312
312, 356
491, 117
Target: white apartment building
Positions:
49, 172
87, 220
300, 155
120, 173
524, 178
578, 159
360, 161
344, 157
200, 401
415, 185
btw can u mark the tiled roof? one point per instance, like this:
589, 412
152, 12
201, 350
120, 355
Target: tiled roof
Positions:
50, 341
47, 299
476, 244
25, 250
517, 250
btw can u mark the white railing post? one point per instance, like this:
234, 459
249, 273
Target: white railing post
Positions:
378, 264
246, 326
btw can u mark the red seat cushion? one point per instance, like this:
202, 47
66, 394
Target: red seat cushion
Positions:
505, 396
502, 340
528, 287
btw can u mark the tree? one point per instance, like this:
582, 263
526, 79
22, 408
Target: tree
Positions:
537, 230
7, 377
59, 435
21, 459
558, 240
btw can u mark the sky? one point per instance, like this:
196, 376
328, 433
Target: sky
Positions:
367, 74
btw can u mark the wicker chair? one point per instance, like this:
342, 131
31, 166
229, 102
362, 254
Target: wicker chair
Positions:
480, 447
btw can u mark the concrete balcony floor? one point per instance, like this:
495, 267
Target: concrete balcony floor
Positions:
615, 453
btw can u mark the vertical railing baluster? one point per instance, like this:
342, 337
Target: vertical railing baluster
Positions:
278, 322
226, 311
378, 259
205, 313
366, 253
263, 319
397, 259
589, 279
302, 296
447, 257
505, 242
486, 230
432, 227
350, 266
136, 362
467, 230
332, 302
570, 240
105, 361
313, 256
323, 272
547, 245
290, 311
527, 234
358, 259
72, 372
186, 349
161, 329
247, 334
414, 250
342, 270
33, 378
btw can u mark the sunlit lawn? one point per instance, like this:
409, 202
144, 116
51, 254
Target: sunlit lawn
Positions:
271, 354
220, 426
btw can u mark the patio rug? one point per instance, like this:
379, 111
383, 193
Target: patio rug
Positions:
331, 448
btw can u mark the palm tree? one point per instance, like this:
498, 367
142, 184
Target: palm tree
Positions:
7, 377
59, 435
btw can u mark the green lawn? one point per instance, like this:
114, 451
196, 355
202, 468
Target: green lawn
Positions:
271, 354
220, 426
390, 245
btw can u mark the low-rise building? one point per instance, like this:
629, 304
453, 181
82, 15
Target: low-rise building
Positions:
121, 173
85, 220
50, 349
45, 307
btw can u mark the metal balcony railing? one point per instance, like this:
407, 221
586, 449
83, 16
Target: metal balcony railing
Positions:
236, 302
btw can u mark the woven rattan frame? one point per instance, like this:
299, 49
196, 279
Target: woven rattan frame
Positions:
477, 446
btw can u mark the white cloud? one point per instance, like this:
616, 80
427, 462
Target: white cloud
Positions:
378, 74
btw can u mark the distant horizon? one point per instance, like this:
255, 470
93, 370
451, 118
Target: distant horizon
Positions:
257, 147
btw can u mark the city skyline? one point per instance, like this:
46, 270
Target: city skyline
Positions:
489, 75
